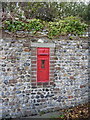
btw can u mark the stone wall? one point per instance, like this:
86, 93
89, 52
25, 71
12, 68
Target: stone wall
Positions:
21, 95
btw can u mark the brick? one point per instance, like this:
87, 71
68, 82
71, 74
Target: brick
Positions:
39, 83
52, 65
33, 73
72, 77
33, 58
52, 57
65, 74
52, 62
6, 100
81, 86
55, 92
12, 81
58, 68
51, 79
33, 62
42, 100
33, 53
28, 91
12, 57
56, 89
72, 58
52, 75
20, 80
70, 97
51, 83
33, 65
52, 69
27, 50
26, 45
3, 58
27, 113
33, 84
46, 83
33, 76
33, 81
33, 69
52, 50
11, 103
52, 54
33, 50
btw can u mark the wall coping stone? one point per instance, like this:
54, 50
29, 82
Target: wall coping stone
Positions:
35, 44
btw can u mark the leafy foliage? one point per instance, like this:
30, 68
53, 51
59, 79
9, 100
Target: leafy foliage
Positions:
69, 25
47, 11
33, 25
79, 112
13, 25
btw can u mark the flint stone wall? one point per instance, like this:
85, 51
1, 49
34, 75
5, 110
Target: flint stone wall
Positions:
22, 97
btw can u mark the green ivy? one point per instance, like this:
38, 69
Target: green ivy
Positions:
33, 25
69, 25
14, 26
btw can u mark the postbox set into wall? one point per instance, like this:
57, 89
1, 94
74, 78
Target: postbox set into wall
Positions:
43, 64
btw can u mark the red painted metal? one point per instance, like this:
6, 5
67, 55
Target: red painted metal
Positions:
43, 64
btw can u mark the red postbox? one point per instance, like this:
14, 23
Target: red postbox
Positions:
42, 64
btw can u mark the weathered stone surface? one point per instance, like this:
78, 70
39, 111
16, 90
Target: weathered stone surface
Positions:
23, 96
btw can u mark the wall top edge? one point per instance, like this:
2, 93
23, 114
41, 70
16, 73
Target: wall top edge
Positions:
47, 45
45, 1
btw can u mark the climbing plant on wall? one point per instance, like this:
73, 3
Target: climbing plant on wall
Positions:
17, 25
68, 25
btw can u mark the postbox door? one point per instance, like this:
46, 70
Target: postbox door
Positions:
43, 65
